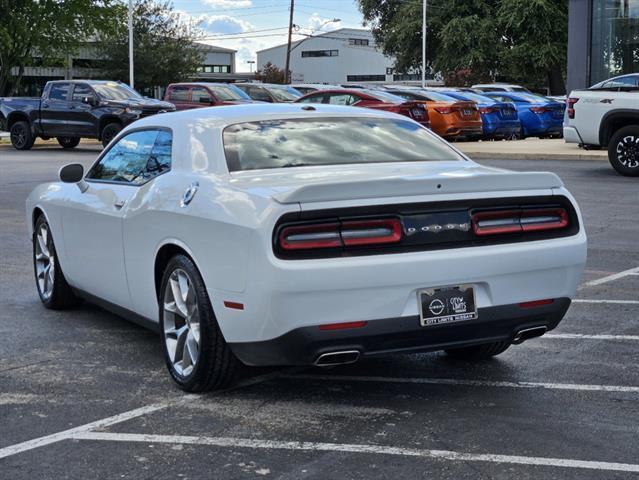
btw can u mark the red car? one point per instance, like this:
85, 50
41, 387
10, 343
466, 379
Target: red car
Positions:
204, 94
380, 100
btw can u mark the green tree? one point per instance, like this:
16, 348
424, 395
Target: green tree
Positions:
269, 73
476, 40
47, 29
164, 48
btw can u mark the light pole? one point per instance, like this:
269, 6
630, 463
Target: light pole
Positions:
287, 77
424, 45
251, 62
131, 43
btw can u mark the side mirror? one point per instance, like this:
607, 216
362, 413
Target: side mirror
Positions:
207, 100
89, 101
73, 173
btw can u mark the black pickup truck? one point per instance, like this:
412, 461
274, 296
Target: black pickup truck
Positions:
73, 109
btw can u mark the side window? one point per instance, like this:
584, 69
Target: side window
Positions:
179, 94
341, 99
59, 91
135, 158
318, 98
258, 93
200, 94
80, 91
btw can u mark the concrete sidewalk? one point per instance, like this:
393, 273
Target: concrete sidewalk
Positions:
529, 149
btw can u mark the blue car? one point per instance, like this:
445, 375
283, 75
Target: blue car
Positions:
539, 116
499, 119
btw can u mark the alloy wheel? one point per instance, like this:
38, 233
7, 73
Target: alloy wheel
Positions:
18, 136
181, 323
628, 151
44, 261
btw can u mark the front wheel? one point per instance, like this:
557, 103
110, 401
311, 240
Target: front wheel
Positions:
479, 352
109, 132
21, 136
68, 142
196, 354
623, 151
54, 291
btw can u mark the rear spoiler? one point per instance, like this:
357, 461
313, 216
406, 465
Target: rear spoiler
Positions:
414, 186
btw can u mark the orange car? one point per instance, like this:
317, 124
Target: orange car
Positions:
449, 118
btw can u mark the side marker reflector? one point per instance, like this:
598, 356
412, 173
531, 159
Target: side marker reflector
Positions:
234, 305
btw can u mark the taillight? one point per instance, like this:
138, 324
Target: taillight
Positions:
520, 220
345, 234
486, 110
539, 110
571, 107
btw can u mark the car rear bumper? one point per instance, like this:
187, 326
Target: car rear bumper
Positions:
304, 346
571, 135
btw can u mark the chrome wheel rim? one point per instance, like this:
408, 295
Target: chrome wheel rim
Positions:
181, 323
628, 151
44, 261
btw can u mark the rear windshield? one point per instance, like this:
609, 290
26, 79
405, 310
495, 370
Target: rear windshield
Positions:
330, 141
284, 94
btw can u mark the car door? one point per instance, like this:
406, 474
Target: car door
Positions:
80, 117
318, 97
54, 110
200, 97
93, 220
180, 96
260, 94
341, 99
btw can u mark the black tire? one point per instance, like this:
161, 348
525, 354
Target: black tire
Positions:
623, 151
21, 136
479, 352
216, 366
109, 132
68, 142
61, 295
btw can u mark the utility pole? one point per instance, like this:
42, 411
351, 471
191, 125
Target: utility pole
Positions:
131, 43
288, 48
424, 46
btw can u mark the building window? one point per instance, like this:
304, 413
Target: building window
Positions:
214, 69
366, 78
320, 53
358, 41
615, 39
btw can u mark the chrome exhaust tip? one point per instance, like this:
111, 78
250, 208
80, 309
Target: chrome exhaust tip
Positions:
527, 333
337, 358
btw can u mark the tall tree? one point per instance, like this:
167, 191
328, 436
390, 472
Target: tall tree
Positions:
164, 47
47, 29
269, 73
476, 40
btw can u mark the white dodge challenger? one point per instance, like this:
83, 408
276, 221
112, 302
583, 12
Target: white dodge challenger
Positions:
305, 235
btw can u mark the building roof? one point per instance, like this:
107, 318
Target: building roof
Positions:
214, 48
320, 35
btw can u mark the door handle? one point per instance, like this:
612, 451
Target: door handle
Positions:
119, 204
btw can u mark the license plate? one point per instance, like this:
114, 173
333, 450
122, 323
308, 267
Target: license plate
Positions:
442, 305
467, 112
508, 113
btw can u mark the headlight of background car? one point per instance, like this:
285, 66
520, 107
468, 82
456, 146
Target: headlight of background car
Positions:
133, 111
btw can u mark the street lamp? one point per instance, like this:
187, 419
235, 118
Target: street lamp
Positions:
251, 62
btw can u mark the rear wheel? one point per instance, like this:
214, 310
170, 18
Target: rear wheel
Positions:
68, 142
53, 288
196, 354
109, 132
623, 151
21, 136
479, 352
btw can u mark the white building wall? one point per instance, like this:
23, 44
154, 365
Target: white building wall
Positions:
351, 60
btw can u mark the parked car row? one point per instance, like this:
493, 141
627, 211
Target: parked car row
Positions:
71, 110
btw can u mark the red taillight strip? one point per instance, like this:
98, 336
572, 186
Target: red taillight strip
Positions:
343, 326
345, 234
537, 303
513, 221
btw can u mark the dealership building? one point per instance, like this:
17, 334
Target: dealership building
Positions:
340, 56
603, 40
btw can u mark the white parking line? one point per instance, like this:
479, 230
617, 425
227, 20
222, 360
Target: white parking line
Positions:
357, 448
572, 336
469, 383
610, 278
618, 302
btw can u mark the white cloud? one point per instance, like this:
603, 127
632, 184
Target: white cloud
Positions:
222, 24
316, 23
229, 3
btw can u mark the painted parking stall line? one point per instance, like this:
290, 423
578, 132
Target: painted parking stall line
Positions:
585, 336
607, 302
357, 449
610, 278
469, 383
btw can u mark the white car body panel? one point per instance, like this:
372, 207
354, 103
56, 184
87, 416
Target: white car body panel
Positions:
228, 231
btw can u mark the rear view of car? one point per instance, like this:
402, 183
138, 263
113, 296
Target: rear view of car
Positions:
499, 119
539, 116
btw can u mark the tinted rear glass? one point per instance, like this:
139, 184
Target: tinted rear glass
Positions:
330, 141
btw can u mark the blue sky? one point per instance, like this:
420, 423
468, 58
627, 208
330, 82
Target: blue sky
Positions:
251, 25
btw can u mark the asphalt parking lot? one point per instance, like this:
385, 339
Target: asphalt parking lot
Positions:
84, 394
